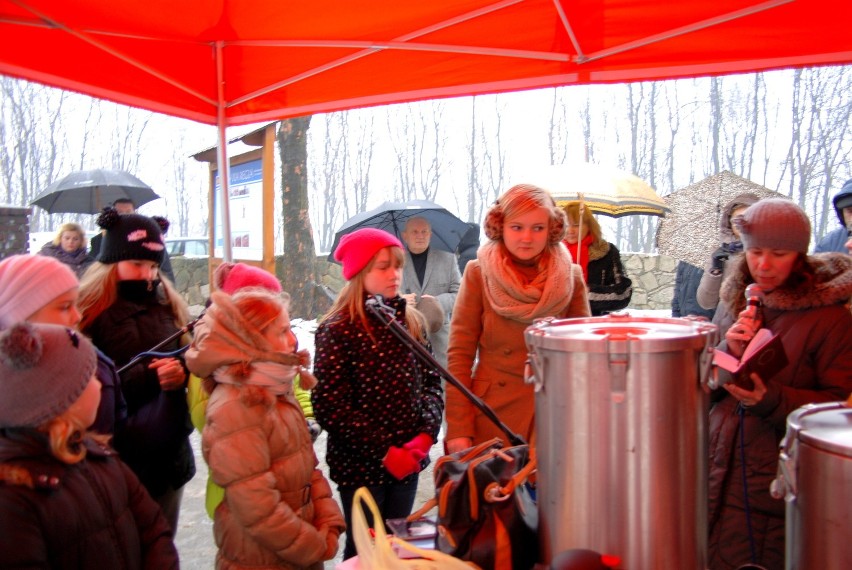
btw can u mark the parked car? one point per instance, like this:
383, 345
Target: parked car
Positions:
187, 247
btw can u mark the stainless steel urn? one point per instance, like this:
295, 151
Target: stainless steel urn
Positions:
815, 480
621, 437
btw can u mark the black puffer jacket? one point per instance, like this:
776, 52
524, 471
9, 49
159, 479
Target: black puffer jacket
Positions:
93, 514
155, 438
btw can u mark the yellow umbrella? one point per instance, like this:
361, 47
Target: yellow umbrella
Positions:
605, 191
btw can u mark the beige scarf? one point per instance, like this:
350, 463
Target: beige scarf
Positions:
547, 295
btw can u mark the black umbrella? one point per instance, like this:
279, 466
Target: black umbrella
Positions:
88, 191
447, 228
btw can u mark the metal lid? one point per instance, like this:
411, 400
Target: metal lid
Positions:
594, 334
826, 429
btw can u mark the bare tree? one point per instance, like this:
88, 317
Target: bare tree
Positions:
341, 160
417, 138
557, 139
326, 177
362, 161
819, 144
486, 156
298, 274
31, 134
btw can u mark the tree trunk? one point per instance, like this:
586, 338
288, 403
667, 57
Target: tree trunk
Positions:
297, 272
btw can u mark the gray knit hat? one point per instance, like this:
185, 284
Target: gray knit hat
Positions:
774, 223
43, 370
28, 283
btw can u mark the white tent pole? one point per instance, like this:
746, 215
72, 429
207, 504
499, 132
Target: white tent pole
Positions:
223, 162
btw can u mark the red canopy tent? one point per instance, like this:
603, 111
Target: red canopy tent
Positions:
231, 62
258, 60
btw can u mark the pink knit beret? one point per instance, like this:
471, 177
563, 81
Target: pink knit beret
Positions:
356, 249
231, 277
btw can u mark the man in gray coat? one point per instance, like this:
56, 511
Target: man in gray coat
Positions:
430, 272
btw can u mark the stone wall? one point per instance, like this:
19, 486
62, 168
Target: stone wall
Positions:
652, 275
192, 279
14, 230
653, 279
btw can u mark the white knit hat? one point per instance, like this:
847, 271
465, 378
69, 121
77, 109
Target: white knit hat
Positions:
28, 283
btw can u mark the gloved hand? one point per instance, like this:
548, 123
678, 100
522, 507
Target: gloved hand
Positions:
402, 462
719, 257
314, 428
422, 442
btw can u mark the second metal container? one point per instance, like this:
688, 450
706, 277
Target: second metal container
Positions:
815, 479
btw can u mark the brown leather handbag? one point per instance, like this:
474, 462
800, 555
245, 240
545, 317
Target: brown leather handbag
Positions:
486, 512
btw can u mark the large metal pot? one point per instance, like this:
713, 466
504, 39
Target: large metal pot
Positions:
815, 480
621, 428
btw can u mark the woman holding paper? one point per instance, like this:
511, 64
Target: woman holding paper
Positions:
804, 302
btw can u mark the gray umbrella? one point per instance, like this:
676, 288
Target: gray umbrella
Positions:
690, 231
88, 191
447, 228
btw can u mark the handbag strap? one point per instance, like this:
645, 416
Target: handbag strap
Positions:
495, 493
427, 506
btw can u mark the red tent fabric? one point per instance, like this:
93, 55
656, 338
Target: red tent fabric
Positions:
240, 61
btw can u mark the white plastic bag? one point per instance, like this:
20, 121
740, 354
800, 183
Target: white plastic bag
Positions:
378, 553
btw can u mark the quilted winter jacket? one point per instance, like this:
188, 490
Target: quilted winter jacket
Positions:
815, 326
92, 514
278, 510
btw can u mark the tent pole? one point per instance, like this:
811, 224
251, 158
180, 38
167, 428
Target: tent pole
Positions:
222, 158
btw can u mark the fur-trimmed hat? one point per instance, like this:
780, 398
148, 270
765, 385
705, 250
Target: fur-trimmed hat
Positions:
356, 249
231, 277
774, 223
28, 283
131, 236
43, 370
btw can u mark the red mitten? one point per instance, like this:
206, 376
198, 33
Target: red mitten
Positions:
422, 441
402, 462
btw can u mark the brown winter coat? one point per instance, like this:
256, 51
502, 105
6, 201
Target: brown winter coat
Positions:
278, 509
90, 514
816, 329
477, 330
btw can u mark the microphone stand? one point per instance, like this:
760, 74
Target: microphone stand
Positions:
377, 306
188, 327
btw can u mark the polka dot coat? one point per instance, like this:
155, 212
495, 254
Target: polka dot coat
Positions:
373, 393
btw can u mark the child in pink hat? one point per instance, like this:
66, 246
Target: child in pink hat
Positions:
379, 405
